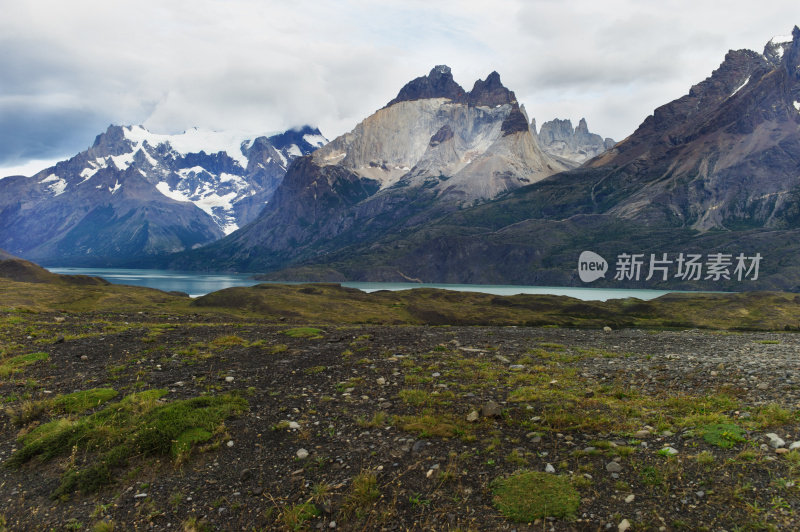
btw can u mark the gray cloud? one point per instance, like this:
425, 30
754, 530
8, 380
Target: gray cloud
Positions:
68, 69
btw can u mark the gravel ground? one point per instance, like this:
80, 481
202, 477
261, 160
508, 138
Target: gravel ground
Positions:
327, 411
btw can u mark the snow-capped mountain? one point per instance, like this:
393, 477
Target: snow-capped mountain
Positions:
434, 148
187, 189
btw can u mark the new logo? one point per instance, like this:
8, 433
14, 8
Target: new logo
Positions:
591, 266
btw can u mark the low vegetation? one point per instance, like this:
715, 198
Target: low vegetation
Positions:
294, 408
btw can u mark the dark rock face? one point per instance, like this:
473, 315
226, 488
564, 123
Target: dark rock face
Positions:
443, 135
490, 93
438, 83
515, 122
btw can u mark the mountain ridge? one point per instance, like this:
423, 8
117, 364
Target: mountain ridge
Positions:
134, 194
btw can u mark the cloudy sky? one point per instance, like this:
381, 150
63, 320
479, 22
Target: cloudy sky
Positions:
69, 69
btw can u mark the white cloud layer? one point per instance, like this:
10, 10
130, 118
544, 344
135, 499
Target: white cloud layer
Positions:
68, 69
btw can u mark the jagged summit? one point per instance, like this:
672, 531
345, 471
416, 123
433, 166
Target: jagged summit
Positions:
776, 49
438, 83
490, 92
558, 138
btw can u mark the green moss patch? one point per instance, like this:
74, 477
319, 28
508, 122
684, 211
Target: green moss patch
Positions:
15, 364
138, 425
724, 435
530, 495
304, 332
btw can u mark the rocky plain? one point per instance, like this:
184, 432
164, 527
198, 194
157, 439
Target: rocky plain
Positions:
317, 408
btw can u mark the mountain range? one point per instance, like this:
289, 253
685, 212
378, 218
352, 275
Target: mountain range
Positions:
712, 177
448, 185
135, 194
433, 149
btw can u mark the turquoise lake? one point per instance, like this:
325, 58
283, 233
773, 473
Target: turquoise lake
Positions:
198, 284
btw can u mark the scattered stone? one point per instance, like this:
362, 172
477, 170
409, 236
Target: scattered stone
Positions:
642, 434
228, 379
502, 359
782, 450
332, 524
629, 499
607, 329
302, 454
436, 374
294, 425
775, 441
491, 409
794, 445
473, 416
140, 496
613, 467
623, 525
516, 367
381, 381
84, 357
669, 451
549, 468
230, 443
700, 494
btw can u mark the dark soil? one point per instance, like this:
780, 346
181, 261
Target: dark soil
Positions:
333, 386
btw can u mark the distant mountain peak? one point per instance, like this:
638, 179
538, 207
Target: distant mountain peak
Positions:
490, 92
439, 83
778, 47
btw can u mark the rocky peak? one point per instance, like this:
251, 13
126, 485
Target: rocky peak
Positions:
783, 47
112, 142
558, 138
490, 92
438, 83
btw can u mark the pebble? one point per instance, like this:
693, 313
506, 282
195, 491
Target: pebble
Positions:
607, 329
669, 451
473, 416
630, 498
294, 425
230, 443
549, 468
642, 434
624, 525
613, 467
491, 409
302, 454
381, 381
332, 524
228, 379
794, 445
84, 357
775, 441
140, 496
